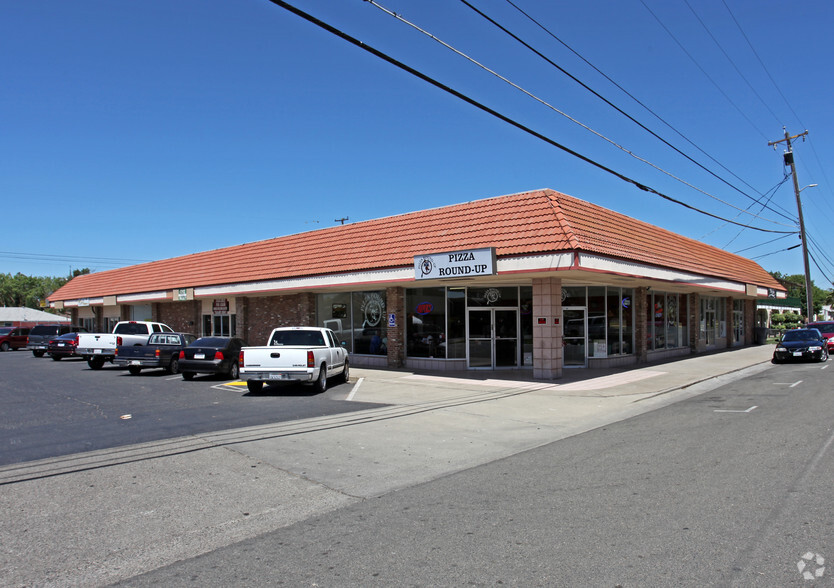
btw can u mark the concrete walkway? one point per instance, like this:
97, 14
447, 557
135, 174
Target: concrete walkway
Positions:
92, 519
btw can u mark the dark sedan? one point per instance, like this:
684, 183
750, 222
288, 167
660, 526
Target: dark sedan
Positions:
799, 344
62, 346
211, 355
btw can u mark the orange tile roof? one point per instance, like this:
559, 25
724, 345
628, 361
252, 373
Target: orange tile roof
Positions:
529, 223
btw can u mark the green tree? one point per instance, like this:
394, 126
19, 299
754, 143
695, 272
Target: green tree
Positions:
30, 291
795, 285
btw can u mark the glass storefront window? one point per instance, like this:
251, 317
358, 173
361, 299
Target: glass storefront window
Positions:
426, 322
573, 295
505, 296
334, 313
456, 320
370, 330
666, 323
597, 346
627, 321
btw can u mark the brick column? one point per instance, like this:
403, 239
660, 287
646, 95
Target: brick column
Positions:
749, 322
395, 304
548, 353
241, 319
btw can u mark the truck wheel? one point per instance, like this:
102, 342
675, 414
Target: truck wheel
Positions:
174, 366
320, 384
56, 357
37, 353
95, 363
4, 346
255, 386
187, 375
346, 373
134, 370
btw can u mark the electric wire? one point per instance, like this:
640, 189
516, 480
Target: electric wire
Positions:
703, 71
772, 193
761, 244
553, 108
608, 102
775, 252
626, 92
471, 101
733, 63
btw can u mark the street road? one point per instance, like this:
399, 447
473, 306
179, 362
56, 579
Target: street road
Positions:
53, 408
730, 488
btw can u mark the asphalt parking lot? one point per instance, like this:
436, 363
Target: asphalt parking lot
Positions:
54, 408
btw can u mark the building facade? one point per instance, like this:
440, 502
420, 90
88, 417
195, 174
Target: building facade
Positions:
536, 281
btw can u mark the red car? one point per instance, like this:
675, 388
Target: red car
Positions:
13, 338
827, 330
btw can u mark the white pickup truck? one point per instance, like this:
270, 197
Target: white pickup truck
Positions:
295, 354
97, 348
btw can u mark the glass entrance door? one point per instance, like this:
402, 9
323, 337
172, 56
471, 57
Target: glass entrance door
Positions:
574, 336
493, 338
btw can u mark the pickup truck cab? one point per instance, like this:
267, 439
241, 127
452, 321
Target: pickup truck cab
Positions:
161, 351
97, 348
295, 354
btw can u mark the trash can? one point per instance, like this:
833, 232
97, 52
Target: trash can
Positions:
760, 335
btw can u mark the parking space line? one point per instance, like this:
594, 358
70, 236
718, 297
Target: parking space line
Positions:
354, 389
751, 409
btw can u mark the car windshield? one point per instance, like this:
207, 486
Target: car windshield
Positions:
823, 327
5, 330
805, 335
305, 338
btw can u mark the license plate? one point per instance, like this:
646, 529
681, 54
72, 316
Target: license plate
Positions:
199, 356
135, 362
96, 351
277, 377
797, 354
61, 344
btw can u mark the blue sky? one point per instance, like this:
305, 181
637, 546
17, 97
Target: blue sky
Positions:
136, 131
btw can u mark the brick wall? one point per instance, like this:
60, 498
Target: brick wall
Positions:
182, 316
267, 313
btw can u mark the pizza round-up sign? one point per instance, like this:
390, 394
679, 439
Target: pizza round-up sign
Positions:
455, 264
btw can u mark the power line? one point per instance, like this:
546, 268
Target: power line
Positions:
385, 57
733, 63
553, 108
627, 93
703, 71
608, 102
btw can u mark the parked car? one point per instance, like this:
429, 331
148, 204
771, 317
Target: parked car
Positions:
63, 346
40, 335
13, 338
161, 351
801, 344
295, 354
827, 330
98, 348
211, 355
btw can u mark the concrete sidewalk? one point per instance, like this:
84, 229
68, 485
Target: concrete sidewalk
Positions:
92, 519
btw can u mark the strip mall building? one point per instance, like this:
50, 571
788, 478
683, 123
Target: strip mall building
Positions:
539, 280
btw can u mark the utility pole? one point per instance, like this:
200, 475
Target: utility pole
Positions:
809, 295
